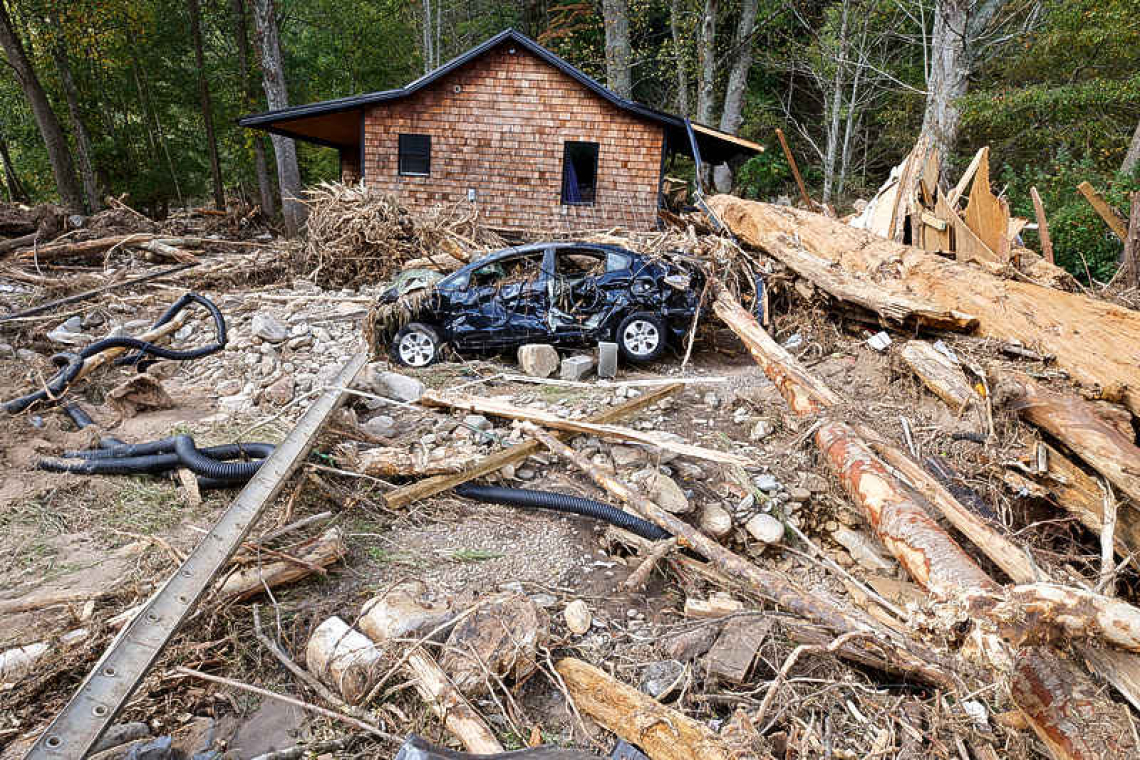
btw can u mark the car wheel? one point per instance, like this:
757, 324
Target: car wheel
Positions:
641, 337
417, 345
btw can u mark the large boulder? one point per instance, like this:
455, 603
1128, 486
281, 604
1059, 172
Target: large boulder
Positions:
538, 359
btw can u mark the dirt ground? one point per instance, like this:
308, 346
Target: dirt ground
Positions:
105, 543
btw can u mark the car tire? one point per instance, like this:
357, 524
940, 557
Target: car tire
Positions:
641, 337
416, 345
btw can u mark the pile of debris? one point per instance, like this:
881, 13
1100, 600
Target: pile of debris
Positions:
359, 235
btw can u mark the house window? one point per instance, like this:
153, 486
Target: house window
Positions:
415, 155
579, 173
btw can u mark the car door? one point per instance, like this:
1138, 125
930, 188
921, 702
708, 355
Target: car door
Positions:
501, 305
590, 285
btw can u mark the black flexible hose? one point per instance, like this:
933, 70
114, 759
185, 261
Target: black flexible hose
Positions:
561, 502
71, 363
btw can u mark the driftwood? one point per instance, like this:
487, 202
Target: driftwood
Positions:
396, 462
937, 563
660, 731
1042, 613
499, 408
343, 658
251, 581
426, 487
1076, 424
939, 374
84, 247
1091, 339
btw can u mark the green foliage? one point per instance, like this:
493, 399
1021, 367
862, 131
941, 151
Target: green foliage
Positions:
763, 176
1082, 242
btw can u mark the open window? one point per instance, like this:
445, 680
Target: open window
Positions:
415, 155
579, 173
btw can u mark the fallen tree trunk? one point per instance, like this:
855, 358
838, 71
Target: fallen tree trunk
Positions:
55, 251
660, 731
1093, 340
1041, 613
1076, 424
1045, 680
938, 373
251, 581
499, 408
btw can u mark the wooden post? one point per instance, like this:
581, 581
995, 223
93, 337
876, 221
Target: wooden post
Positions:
1107, 213
1130, 260
795, 170
1042, 225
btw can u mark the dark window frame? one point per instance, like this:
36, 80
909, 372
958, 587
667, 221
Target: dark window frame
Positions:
566, 148
406, 151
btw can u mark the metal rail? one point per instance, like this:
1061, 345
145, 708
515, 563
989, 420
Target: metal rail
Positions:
121, 668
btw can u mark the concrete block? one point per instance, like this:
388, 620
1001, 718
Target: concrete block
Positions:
607, 360
538, 359
577, 367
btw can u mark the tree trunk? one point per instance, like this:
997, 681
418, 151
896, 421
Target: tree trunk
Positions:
277, 95
16, 191
732, 113
261, 168
835, 115
58, 151
948, 76
83, 149
682, 99
207, 108
1132, 157
429, 55
1088, 337
615, 16
706, 85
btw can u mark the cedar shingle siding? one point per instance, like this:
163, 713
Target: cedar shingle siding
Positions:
502, 134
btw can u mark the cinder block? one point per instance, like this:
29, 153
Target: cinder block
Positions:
607, 360
577, 367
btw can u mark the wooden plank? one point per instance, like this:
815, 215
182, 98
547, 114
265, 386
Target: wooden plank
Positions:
929, 179
938, 373
795, 170
935, 232
1042, 225
498, 408
987, 215
422, 489
983, 154
731, 656
967, 245
1106, 212
121, 668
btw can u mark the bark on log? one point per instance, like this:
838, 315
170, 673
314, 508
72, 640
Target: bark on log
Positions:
660, 731
1041, 613
499, 408
251, 581
1076, 424
1093, 340
395, 462
936, 561
343, 658
56, 251
939, 374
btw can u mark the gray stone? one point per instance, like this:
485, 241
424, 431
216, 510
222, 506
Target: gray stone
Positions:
525, 473
229, 387
765, 529
280, 393
6, 349
661, 677
538, 359
711, 400
301, 341
799, 495
268, 328
273, 726
25, 355
576, 367
761, 430
666, 493
607, 360
477, 421
766, 483
389, 384
627, 456
158, 749
69, 333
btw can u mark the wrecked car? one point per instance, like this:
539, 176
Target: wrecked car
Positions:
565, 294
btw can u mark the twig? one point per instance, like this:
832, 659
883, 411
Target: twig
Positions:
313, 749
289, 701
304, 522
782, 676
834, 567
638, 578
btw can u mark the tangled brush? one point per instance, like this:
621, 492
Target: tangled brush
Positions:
357, 235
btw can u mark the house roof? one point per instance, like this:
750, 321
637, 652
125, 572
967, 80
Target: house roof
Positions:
325, 122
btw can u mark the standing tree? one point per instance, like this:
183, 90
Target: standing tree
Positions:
682, 97
1132, 157
706, 55
615, 15
261, 168
277, 95
58, 151
83, 149
207, 108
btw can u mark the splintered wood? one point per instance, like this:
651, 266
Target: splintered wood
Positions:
939, 373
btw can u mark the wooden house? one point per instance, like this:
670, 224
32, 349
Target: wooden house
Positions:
509, 126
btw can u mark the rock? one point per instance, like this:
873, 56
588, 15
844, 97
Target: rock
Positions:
627, 456
280, 393
576, 367
719, 604
389, 384
70, 333
799, 495
6, 349
578, 617
267, 327
665, 492
766, 483
477, 421
761, 430
711, 400
863, 549
715, 520
692, 644
119, 734
302, 341
25, 355
815, 483
741, 415
381, 426
157, 749
525, 473
765, 529
538, 359
607, 360
661, 677
502, 636
273, 726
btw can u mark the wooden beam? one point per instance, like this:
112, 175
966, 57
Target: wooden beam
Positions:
983, 154
1042, 225
1106, 212
795, 169
427, 487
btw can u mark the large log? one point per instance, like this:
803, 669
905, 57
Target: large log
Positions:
1095, 341
662, 732
1075, 423
936, 562
1040, 613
